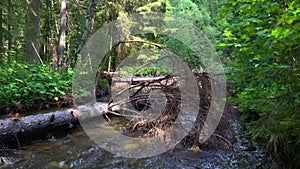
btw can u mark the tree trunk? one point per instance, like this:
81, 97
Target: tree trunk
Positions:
1, 42
47, 31
54, 58
33, 32
62, 32
9, 19
84, 34
17, 132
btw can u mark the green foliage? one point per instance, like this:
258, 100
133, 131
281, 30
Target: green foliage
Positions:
23, 84
153, 71
103, 82
187, 54
200, 15
158, 6
265, 38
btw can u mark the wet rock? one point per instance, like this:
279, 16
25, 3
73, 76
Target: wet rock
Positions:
5, 162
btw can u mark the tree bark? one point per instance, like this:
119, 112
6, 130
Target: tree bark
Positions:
1, 42
47, 30
62, 32
84, 34
16, 132
9, 19
33, 32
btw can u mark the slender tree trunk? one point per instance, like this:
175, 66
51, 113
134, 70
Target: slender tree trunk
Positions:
47, 45
55, 19
62, 32
54, 60
1, 42
33, 32
84, 34
9, 19
54, 31
110, 47
119, 56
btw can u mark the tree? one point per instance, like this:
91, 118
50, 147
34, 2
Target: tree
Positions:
33, 31
62, 32
1, 30
86, 31
265, 39
9, 26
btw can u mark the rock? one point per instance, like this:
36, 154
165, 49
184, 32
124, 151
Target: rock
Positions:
5, 162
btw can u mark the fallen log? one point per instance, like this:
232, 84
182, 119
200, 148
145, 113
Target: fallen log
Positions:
142, 79
15, 132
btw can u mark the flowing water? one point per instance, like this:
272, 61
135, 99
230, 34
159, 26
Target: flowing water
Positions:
76, 150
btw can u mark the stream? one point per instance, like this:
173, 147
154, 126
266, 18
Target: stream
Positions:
74, 149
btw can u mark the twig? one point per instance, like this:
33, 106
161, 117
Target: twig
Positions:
142, 84
128, 100
226, 140
18, 142
118, 94
37, 53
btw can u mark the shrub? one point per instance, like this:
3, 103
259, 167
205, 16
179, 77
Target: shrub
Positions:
23, 84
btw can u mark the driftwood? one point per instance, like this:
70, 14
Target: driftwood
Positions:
143, 79
138, 102
15, 132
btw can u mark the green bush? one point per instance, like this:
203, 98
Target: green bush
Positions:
151, 71
22, 84
144, 71
265, 63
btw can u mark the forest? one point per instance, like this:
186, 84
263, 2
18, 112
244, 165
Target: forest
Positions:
164, 56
